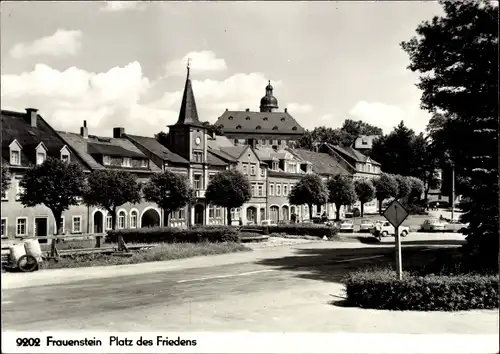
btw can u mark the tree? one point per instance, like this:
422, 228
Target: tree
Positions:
365, 192
353, 129
170, 191
213, 129
162, 138
341, 192
456, 55
404, 186
310, 190
5, 182
55, 184
228, 189
386, 186
110, 189
416, 190
425, 163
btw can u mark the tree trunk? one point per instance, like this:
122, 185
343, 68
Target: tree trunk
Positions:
113, 218
362, 209
310, 212
166, 217
59, 229
380, 206
337, 211
229, 221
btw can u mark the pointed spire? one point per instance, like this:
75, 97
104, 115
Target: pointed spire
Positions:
188, 114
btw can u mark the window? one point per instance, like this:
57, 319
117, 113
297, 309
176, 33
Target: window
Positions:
260, 190
236, 141
133, 219
65, 158
144, 163
279, 142
278, 190
262, 172
275, 166
245, 169
218, 212
285, 190
235, 214
254, 189
271, 189
275, 142
4, 227
15, 157
197, 156
210, 176
364, 141
253, 169
121, 220
292, 167
127, 162
109, 222
19, 189
63, 226
211, 211
198, 182
21, 226
77, 224
40, 158
106, 160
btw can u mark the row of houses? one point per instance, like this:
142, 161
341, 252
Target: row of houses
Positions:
263, 155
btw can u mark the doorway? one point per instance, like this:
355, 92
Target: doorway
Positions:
251, 215
41, 228
199, 210
98, 222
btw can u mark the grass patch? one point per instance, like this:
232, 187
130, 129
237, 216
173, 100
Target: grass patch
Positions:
162, 252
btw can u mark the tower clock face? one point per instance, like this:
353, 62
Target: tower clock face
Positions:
197, 140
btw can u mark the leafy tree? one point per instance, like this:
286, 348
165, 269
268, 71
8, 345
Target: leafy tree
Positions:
213, 129
416, 190
170, 191
457, 56
5, 182
353, 129
162, 138
425, 163
110, 189
341, 192
310, 190
228, 189
404, 186
365, 192
55, 184
386, 186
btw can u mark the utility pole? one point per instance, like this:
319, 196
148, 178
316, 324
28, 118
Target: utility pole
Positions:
452, 191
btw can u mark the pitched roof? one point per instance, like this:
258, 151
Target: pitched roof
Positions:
322, 163
214, 160
258, 122
85, 148
267, 153
157, 149
188, 114
368, 139
17, 126
352, 153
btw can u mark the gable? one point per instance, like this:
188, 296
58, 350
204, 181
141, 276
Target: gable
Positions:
41, 148
14, 145
65, 150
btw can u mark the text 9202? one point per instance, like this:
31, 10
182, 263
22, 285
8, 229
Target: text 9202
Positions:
28, 342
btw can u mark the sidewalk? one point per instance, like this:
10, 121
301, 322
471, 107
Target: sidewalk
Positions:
58, 276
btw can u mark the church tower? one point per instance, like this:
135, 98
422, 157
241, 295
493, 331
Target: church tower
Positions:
188, 137
269, 103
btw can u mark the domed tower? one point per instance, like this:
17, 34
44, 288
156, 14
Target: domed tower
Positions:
269, 103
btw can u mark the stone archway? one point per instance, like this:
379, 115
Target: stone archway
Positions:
150, 218
252, 215
98, 221
274, 213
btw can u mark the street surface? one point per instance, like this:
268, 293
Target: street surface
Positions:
294, 288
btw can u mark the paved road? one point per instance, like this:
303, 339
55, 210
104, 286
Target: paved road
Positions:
293, 291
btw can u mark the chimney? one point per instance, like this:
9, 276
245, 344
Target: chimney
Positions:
286, 110
227, 109
247, 110
32, 116
118, 132
84, 131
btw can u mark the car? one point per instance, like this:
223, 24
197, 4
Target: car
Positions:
387, 229
366, 225
267, 223
349, 214
433, 225
346, 226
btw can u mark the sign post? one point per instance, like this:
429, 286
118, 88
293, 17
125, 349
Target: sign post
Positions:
396, 214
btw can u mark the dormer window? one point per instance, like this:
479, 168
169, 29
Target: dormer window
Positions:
275, 166
275, 128
230, 118
364, 141
127, 162
15, 153
221, 126
258, 127
144, 163
247, 118
294, 128
265, 118
106, 160
41, 154
238, 126
65, 155
282, 119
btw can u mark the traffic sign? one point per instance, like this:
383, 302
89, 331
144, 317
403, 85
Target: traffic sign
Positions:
395, 213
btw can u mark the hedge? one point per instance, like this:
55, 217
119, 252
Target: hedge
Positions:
382, 290
172, 234
317, 230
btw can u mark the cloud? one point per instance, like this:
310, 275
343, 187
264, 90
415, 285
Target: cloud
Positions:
123, 96
62, 42
297, 108
201, 62
115, 6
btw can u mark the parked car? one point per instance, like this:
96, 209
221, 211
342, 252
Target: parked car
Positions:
267, 223
346, 226
433, 225
366, 225
349, 214
387, 229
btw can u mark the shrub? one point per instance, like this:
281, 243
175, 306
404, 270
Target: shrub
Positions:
381, 289
175, 235
305, 229
416, 209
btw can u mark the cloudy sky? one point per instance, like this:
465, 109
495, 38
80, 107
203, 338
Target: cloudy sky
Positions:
123, 63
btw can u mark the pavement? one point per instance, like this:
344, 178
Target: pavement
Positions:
293, 288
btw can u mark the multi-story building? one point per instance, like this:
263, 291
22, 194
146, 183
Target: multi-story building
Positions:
267, 128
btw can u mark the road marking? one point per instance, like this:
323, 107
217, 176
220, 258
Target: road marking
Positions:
227, 276
359, 258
